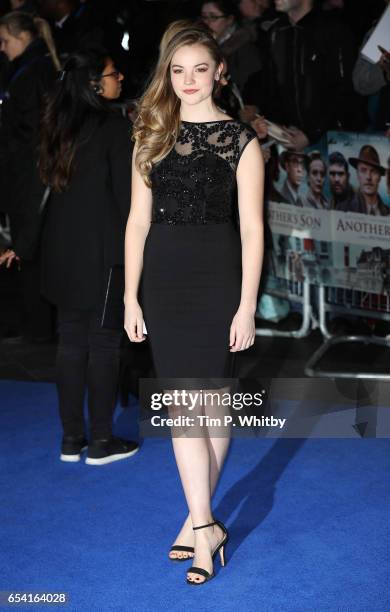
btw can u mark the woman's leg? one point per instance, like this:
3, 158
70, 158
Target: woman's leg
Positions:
71, 368
199, 460
102, 377
193, 462
217, 449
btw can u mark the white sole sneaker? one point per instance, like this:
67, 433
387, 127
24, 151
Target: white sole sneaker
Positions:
110, 458
72, 458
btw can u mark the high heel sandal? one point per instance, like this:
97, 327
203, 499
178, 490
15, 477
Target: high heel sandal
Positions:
180, 548
220, 548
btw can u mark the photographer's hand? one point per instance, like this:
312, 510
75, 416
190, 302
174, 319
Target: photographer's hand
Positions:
8, 257
298, 139
384, 62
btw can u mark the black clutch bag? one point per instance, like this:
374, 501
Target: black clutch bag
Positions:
114, 308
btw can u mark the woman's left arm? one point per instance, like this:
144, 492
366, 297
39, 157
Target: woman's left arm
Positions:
250, 184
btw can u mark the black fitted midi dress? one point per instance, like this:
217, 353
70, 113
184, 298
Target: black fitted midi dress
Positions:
191, 282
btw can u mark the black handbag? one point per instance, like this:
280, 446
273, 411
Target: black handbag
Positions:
113, 308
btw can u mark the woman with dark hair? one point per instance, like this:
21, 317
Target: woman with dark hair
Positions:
238, 44
200, 275
85, 158
32, 64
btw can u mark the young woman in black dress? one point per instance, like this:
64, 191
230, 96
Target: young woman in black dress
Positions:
199, 280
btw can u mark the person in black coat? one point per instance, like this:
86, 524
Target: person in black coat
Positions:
373, 81
306, 83
26, 41
74, 26
85, 158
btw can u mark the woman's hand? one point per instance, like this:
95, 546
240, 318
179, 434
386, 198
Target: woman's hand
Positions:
134, 322
8, 257
242, 330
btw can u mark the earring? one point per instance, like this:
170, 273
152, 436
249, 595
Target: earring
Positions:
97, 89
217, 76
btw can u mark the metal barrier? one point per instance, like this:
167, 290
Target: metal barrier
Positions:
348, 302
293, 291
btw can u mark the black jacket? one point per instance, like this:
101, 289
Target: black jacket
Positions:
79, 31
84, 227
382, 118
307, 81
31, 77
242, 55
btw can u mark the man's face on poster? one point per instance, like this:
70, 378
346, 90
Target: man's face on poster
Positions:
338, 179
295, 170
368, 178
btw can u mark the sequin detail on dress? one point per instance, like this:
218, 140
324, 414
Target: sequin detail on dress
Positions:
196, 183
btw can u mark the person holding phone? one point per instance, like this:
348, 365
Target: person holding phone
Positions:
373, 81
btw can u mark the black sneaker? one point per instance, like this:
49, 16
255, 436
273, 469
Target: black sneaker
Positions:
101, 452
71, 448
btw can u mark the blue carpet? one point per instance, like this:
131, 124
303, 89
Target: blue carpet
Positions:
309, 520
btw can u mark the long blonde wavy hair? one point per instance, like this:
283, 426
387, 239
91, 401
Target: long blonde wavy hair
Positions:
157, 125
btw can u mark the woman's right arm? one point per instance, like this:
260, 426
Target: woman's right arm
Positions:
137, 229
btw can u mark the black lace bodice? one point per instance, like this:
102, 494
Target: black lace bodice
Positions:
196, 182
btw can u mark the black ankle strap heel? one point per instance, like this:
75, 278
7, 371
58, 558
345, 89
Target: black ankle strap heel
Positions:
220, 548
203, 526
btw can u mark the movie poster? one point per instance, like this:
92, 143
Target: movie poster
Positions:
329, 213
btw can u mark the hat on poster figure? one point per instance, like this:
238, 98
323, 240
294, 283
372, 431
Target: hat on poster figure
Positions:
369, 171
368, 155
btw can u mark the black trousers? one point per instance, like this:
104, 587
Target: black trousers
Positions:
87, 359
